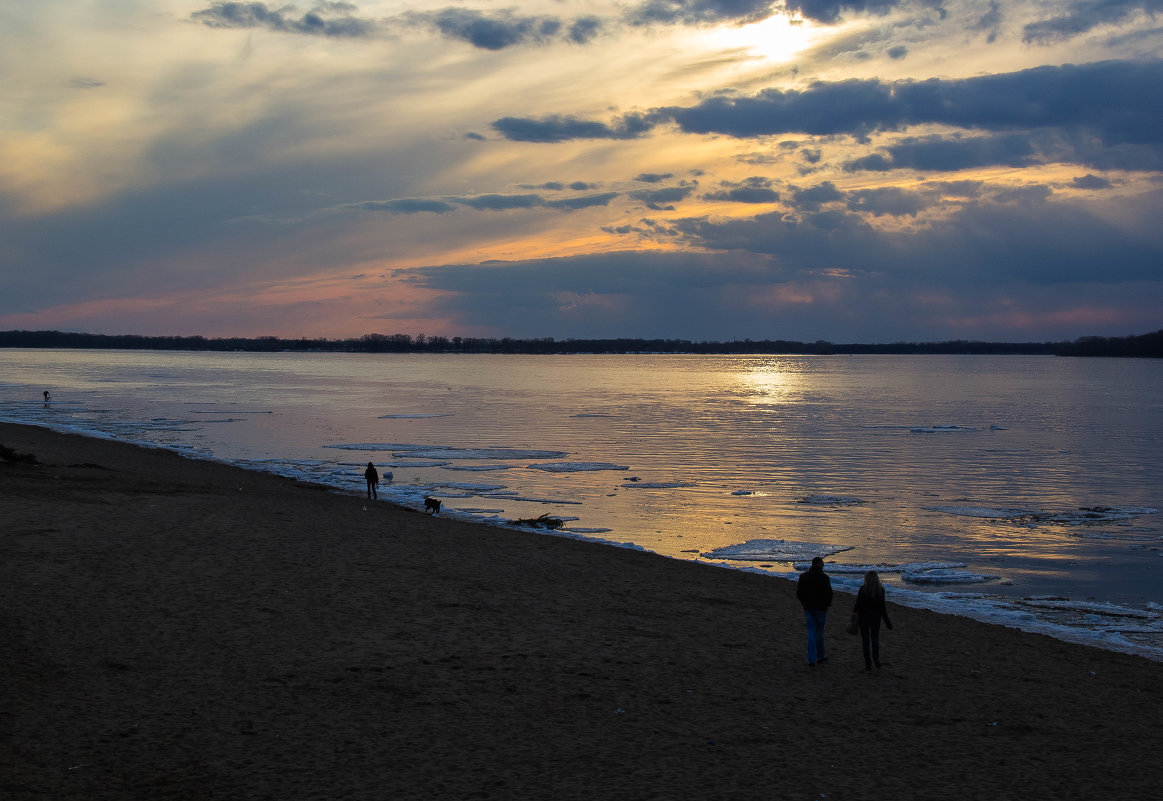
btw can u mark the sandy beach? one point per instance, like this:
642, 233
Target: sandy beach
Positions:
181, 629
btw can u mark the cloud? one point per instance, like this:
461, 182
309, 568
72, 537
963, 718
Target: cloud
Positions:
1084, 17
1019, 235
315, 22
487, 202
947, 154
831, 11
663, 199
812, 198
890, 200
755, 189
1116, 99
1091, 182
557, 128
698, 12
495, 32
1107, 114
412, 205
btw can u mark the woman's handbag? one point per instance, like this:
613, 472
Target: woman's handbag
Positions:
853, 624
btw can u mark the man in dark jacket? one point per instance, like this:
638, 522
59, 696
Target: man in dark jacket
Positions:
814, 589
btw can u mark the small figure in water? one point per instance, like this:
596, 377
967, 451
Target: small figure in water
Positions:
869, 610
47, 396
373, 480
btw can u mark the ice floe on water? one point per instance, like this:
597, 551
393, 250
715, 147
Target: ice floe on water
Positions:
946, 576
1083, 515
576, 467
830, 500
775, 551
884, 567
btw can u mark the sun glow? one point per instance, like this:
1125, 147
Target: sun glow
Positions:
777, 38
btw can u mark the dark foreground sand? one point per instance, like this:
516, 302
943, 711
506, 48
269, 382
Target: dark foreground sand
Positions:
176, 629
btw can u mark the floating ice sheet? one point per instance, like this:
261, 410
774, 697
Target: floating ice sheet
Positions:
846, 568
576, 467
775, 551
945, 576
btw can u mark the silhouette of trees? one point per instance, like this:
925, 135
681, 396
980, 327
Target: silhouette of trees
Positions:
1142, 346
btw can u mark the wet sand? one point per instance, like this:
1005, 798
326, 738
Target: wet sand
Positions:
179, 629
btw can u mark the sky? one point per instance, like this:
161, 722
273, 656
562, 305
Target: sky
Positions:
845, 170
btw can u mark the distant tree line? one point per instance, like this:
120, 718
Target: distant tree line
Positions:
1145, 345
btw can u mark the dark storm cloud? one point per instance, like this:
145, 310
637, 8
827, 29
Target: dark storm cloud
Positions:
494, 32
584, 29
1120, 100
756, 189
407, 205
941, 154
695, 12
701, 12
833, 10
1029, 237
557, 128
639, 293
583, 202
663, 199
1083, 17
318, 21
814, 197
890, 200
1091, 182
1115, 102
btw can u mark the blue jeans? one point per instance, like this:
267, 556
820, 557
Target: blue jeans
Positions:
815, 620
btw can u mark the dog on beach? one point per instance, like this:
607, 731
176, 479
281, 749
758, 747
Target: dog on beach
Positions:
432, 505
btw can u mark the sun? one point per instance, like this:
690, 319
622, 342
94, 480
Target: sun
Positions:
777, 38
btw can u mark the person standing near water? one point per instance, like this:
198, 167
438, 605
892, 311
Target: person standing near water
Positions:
47, 396
373, 480
869, 611
814, 590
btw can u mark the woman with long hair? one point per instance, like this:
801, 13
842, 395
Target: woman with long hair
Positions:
869, 610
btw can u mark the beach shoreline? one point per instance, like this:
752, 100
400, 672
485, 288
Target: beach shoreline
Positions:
183, 628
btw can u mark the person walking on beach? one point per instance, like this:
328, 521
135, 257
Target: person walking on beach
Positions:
869, 611
47, 396
373, 480
814, 590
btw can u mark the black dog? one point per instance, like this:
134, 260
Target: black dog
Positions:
432, 505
